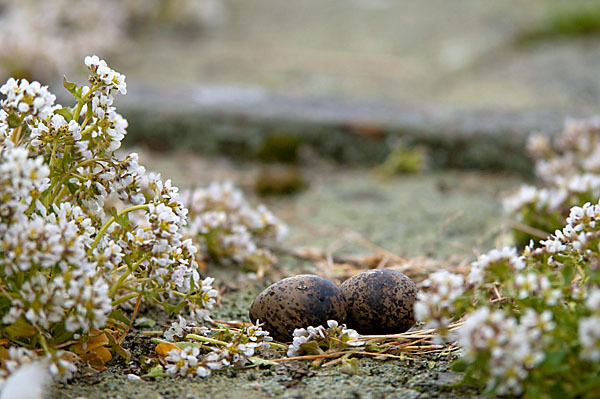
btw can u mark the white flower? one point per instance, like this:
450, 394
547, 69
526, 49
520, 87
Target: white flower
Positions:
593, 300
108, 76
29, 381
435, 304
176, 329
515, 348
506, 254
28, 99
237, 230
589, 338
186, 363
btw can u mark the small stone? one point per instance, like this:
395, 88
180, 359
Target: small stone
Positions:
133, 377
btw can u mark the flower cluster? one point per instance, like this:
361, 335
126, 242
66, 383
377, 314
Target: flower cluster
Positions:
505, 258
588, 329
570, 175
511, 348
529, 318
201, 354
79, 237
228, 227
15, 358
436, 308
39, 38
316, 340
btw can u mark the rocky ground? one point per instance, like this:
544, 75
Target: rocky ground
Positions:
327, 90
436, 218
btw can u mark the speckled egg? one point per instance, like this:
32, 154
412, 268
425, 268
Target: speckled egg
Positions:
298, 302
380, 301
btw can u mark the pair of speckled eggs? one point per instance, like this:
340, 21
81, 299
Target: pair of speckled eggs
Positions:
378, 301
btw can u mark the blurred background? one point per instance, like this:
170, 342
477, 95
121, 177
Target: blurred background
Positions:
512, 54
261, 91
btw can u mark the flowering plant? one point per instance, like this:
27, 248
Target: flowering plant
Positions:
191, 351
79, 238
531, 320
228, 229
569, 172
317, 340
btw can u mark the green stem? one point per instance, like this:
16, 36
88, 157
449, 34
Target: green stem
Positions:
154, 333
44, 343
17, 135
159, 341
84, 101
85, 122
64, 337
141, 280
53, 153
206, 339
125, 298
88, 130
580, 270
66, 175
277, 346
120, 269
92, 90
78, 110
110, 221
115, 287
130, 270
59, 194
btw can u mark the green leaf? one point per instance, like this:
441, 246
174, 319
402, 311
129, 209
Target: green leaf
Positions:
350, 366
13, 121
460, 365
311, 348
373, 347
169, 308
118, 315
5, 303
123, 221
557, 391
88, 112
20, 329
554, 359
261, 362
568, 273
118, 349
185, 344
66, 113
144, 322
72, 88
155, 372
72, 187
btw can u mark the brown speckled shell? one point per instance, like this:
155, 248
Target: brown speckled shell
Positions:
380, 301
298, 302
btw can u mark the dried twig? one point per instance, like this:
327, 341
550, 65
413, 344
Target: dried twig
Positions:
528, 229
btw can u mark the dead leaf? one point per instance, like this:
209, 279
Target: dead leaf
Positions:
93, 351
94, 341
115, 346
164, 348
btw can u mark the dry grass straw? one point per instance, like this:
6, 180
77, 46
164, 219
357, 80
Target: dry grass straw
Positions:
390, 346
416, 341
